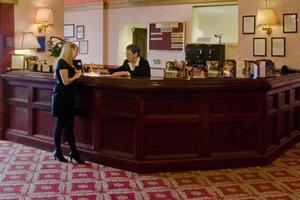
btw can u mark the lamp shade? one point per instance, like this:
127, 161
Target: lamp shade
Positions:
44, 15
266, 17
29, 41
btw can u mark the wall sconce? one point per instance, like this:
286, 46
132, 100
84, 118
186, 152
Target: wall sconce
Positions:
265, 18
44, 17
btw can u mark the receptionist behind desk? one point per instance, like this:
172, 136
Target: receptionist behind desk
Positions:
134, 65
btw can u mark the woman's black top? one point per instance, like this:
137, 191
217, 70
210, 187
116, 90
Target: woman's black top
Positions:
63, 100
143, 69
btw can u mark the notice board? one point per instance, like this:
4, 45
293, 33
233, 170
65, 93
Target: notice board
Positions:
166, 36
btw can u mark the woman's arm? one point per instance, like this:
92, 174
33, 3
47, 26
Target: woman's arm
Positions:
65, 76
119, 69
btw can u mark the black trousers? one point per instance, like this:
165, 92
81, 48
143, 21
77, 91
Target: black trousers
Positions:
64, 126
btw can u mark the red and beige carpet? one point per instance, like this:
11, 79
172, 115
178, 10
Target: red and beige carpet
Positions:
27, 173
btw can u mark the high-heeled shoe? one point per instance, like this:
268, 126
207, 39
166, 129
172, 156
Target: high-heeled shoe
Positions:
76, 157
59, 156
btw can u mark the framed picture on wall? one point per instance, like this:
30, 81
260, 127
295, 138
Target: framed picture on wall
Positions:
290, 23
17, 61
259, 46
83, 47
69, 30
249, 24
8, 42
278, 46
42, 42
80, 32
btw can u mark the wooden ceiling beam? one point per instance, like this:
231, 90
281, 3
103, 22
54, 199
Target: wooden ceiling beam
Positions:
9, 1
142, 3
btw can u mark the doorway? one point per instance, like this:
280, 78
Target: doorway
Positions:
132, 34
139, 37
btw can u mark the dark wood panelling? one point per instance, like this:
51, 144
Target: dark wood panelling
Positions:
179, 106
118, 136
297, 93
42, 95
84, 131
119, 105
274, 129
17, 118
174, 139
162, 125
297, 116
2, 110
44, 123
228, 137
235, 103
17, 92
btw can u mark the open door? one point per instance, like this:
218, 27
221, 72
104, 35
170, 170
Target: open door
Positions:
139, 37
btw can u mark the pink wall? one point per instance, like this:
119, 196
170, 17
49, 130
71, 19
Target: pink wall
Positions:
93, 31
292, 58
71, 2
114, 18
25, 12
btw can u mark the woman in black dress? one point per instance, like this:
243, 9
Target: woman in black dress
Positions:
134, 65
63, 101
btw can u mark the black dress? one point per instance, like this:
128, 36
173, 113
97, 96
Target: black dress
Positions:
63, 99
143, 69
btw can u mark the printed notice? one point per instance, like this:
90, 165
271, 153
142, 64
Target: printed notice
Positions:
176, 46
156, 39
166, 36
176, 40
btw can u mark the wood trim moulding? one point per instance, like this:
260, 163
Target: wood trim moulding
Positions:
85, 6
144, 3
9, 1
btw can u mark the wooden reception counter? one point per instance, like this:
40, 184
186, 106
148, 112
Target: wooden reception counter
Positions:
147, 125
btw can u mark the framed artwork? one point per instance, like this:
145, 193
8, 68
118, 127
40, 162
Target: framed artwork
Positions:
42, 42
8, 42
259, 46
290, 23
17, 61
212, 65
278, 46
80, 32
249, 24
69, 30
83, 47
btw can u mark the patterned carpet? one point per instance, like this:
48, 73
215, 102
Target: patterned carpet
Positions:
27, 173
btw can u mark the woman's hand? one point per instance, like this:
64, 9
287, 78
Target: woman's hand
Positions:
78, 74
65, 76
122, 73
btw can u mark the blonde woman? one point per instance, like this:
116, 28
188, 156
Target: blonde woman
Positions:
63, 101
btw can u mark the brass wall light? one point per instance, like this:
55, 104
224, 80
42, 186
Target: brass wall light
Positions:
44, 17
265, 18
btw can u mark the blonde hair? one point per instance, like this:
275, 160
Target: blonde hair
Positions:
67, 53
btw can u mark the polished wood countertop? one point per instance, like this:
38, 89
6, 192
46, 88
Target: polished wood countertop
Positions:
162, 83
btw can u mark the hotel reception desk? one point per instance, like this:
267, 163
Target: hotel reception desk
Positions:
147, 125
